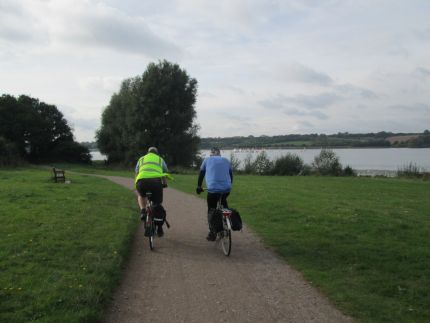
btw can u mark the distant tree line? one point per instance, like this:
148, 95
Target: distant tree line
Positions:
154, 109
340, 139
36, 132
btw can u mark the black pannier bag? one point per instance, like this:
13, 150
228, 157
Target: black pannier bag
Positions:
159, 214
215, 220
236, 220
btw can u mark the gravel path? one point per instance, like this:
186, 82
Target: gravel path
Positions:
188, 279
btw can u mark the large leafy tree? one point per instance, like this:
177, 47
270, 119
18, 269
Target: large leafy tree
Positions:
154, 109
38, 131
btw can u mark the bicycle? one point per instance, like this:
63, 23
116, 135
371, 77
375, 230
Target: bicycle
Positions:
149, 221
224, 236
150, 224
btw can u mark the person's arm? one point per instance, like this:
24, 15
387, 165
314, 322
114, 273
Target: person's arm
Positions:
231, 175
200, 179
202, 173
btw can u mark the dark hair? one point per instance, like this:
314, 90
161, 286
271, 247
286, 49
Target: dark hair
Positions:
215, 151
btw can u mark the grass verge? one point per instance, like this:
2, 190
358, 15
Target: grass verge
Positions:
362, 241
62, 245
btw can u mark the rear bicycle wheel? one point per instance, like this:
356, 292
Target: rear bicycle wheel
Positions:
226, 238
152, 235
151, 231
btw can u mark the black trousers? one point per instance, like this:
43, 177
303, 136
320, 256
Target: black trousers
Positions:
213, 198
214, 218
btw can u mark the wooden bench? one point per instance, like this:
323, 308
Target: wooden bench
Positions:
59, 175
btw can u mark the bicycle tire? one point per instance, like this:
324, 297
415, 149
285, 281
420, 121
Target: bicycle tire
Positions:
151, 230
226, 239
151, 236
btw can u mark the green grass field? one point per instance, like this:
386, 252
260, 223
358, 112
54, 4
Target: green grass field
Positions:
364, 242
62, 245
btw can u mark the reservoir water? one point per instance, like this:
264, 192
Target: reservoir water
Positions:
389, 159
372, 159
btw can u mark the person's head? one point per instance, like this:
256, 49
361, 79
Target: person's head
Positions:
215, 151
153, 150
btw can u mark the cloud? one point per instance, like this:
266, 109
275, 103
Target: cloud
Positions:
109, 84
303, 74
351, 90
318, 101
415, 107
422, 72
84, 24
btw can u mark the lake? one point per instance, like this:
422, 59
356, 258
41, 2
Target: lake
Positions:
372, 159
384, 159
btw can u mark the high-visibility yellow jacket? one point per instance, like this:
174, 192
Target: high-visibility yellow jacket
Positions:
150, 166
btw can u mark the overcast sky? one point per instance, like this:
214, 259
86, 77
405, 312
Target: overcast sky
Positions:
263, 67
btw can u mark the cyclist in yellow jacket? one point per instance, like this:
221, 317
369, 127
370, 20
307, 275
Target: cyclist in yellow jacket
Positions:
151, 172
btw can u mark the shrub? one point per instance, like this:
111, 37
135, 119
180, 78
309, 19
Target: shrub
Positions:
290, 164
348, 171
262, 165
409, 170
327, 163
248, 165
9, 155
235, 162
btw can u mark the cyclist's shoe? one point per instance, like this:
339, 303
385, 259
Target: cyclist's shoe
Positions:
142, 215
211, 236
160, 231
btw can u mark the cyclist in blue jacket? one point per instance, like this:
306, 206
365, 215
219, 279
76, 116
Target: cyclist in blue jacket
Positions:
219, 177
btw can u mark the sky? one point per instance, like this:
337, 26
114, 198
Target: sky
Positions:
262, 67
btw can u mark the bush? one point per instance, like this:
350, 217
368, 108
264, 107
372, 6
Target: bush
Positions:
9, 155
348, 171
409, 170
248, 165
262, 165
235, 162
290, 164
327, 163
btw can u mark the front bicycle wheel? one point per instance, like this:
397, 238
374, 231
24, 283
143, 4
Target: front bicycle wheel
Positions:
226, 238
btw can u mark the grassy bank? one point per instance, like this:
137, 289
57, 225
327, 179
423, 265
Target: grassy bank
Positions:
363, 241
62, 245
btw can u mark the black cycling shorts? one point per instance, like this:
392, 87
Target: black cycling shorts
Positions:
152, 185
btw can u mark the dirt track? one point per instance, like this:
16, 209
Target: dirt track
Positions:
188, 279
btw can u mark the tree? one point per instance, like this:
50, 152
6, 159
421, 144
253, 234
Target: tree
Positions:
327, 163
154, 109
38, 131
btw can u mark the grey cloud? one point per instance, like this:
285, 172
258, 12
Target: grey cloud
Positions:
122, 33
423, 34
417, 107
303, 74
307, 124
307, 75
294, 112
310, 102
318, 114
348, 89
423, 72
17, 25
10, 33
318, 101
